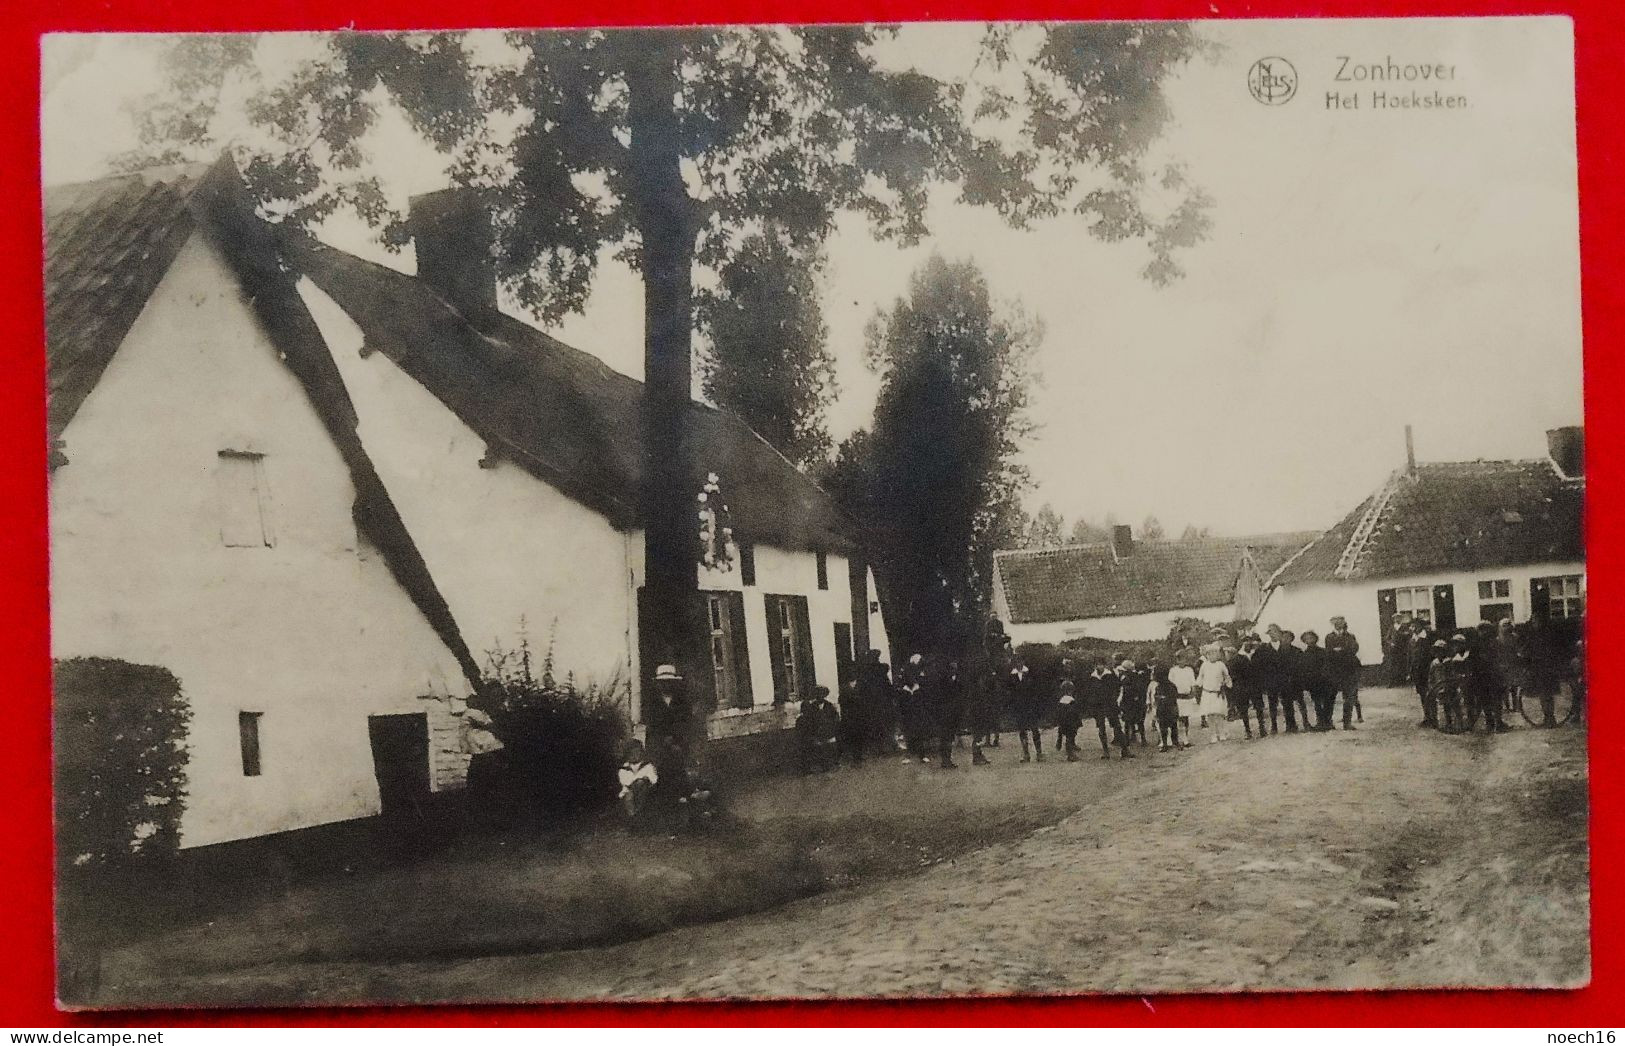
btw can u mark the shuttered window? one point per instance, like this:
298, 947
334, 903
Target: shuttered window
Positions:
730, 659
244, 501
789, 635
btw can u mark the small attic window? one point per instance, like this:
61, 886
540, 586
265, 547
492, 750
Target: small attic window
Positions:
1509, 515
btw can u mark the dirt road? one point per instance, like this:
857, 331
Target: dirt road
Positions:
1389, 857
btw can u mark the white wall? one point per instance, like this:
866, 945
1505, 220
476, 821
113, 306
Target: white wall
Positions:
503, 546
1312, 605
310, 633
1127, 627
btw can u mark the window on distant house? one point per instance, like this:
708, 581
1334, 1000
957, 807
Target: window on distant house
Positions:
248, 736
823, 571
1566, 595
1494, 600
244, 499
1414, 604
747, 563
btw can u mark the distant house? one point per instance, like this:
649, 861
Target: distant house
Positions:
321, 492
1133, 590
1451, 543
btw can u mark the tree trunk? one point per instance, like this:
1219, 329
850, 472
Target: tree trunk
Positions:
665, 216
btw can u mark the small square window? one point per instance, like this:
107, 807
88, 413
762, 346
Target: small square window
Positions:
248, 735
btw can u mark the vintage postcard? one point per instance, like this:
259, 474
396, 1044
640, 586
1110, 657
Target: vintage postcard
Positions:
804, 512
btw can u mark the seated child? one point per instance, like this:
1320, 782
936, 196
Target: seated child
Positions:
638, 778
818, 733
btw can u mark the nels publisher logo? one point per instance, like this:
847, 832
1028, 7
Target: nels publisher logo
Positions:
1272, 81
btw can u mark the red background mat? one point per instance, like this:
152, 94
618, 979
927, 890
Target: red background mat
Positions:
26, 997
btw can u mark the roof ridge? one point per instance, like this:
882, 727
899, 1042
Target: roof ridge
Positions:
1364, 529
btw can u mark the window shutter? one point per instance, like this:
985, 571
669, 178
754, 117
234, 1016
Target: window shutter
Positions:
736, 634
1386, 609
1444, 608
804, 651
775, 649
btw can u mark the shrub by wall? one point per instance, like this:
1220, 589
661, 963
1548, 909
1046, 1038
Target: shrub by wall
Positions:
120, 743
561, 743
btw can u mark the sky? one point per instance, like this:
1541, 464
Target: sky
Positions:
1368, 269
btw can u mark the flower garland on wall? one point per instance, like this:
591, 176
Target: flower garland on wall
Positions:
716, 527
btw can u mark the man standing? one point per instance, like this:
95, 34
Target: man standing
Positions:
1422, 658
1246, 676
1267, 671
879, 707
1343, 671
1295, 679
1102, 690
949, 697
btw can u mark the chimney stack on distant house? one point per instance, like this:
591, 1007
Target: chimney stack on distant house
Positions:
1410, 453
1567, 448
451, 232
1122, 541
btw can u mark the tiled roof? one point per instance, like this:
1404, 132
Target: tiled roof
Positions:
563, 414
109, 244
1459, 515
1078, 582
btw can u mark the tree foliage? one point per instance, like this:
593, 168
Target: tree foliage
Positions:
770, 361
936, 480
671, 146
1151, 529
1046, 529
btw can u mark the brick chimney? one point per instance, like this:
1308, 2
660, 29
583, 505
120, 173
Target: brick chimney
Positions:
1410, 453
1567, 449
1122, 541
451, 232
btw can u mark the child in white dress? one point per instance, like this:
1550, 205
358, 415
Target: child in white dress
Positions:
1213, 679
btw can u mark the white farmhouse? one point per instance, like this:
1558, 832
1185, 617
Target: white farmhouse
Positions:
213, 512
320, 491
1133, 590
1451, 543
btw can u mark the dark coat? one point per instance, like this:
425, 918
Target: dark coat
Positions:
1026, 700
1266, 668
1314, 668
1342, 655
1421, 660
1099, 695
1069, 714
1246, 675
818, 724
1132, 698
